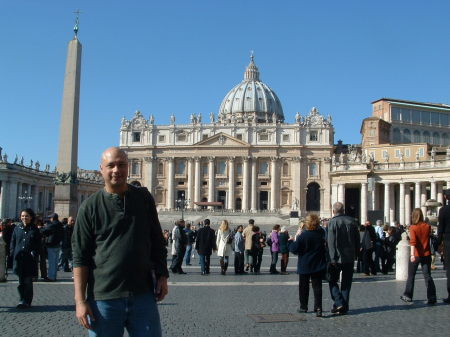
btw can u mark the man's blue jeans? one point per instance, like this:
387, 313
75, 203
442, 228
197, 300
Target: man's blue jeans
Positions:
341, 296
53, 257
138, 314
187, 255
204, 262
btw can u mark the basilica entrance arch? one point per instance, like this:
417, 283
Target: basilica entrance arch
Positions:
313, 197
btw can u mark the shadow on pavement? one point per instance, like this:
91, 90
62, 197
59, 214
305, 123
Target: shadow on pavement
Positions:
41, 308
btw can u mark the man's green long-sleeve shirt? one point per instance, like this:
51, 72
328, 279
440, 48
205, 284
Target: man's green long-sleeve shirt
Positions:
121, 242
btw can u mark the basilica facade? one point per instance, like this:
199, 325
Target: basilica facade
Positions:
245, 157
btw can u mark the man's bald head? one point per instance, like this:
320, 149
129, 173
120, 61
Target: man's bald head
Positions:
113, 151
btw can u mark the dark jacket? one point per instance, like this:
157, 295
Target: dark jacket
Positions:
54, 233
369, 238
283, 240
343, 239
67, 237
310, 248
206, 241
24, 248
444, 224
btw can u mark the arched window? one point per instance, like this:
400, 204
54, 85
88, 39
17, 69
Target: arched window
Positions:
426, 137
160, 169
313, 197
445, 139
397, 138
416, 136
436, 138
406, 136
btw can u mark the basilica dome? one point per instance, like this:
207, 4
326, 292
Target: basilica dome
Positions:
251, 99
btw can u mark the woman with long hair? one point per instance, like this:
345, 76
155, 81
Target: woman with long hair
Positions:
285, 241
311, 265
223, 243
25, 245
419, 234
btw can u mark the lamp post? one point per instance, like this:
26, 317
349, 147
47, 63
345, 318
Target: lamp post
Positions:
181, 204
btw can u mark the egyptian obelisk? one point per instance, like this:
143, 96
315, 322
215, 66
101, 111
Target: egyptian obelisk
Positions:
66, 184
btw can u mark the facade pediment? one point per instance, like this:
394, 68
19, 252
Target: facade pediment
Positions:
222, 139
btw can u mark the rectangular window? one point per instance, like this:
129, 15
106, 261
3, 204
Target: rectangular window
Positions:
238, 183
263, 137
205, 169
407, 153
263, 183
204, 183
444, 119
263, 168
135, 168
285, 138
395, 112
181, 137
204, 137
313, 137
425, 117
239, 169
221, 168
406, 115
136, 137
385, 154
180, 167
161, 138
313, 172
421, 152
415, 116
181, 183
435, 118
397, 153
239, 136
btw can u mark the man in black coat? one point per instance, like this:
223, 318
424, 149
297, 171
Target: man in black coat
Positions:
343, 248
54, 233
205, 244
368, 241
444, 235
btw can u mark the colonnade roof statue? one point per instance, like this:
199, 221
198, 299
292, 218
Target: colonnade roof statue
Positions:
251, 99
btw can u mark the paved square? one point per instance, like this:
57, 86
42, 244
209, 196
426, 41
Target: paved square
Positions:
216, 305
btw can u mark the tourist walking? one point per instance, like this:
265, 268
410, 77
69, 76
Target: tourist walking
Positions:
444, 236
239, 248
258, 244
54, 233
24, 249
311, 265
343, 249
179, 242
284, 241
419, 240
223, 242
204, 245
274, 249
368, 241
247, 234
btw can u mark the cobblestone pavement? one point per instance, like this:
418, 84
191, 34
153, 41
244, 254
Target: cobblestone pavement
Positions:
216, 305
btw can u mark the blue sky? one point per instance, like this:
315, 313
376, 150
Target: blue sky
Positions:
182, 57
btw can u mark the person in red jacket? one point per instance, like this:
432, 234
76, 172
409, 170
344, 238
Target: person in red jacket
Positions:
419, 234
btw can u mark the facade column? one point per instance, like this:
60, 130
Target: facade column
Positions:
387, 203
439, 194
231, 183
245, 185
433, 192
417, 194
197, 181
392, 204
13, 190
423, 199
4, 192
253, 205
341, 193
171, 184
407, 204
334, 193
401, 205
211, 182
274, 193
190, 183
150, 172
363, 203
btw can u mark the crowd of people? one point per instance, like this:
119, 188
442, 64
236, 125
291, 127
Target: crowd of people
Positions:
36, 248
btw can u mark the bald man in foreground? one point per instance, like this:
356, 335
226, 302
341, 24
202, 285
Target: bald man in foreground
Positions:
119, 256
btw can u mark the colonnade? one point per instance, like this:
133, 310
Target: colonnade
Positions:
395, 201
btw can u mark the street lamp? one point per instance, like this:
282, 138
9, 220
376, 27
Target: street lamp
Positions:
25, 197
181, 204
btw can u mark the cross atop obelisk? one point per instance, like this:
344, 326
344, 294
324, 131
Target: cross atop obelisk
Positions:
66, 189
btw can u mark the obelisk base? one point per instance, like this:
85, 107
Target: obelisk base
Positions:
66, 200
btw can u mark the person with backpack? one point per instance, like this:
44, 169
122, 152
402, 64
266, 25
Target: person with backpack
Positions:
258, 244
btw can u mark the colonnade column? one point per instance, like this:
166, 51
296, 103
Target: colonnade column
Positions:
407, 204
341, 193
387, 202
433, 192
197, 176
273, 184
253, 205
401, 207
3, 193
150, 171
211, 182
190, 182
334, 193
231, 183
423, 199
392, 204
171, 183
439, 194
245, 185
363, 203
417, 194
13, 187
